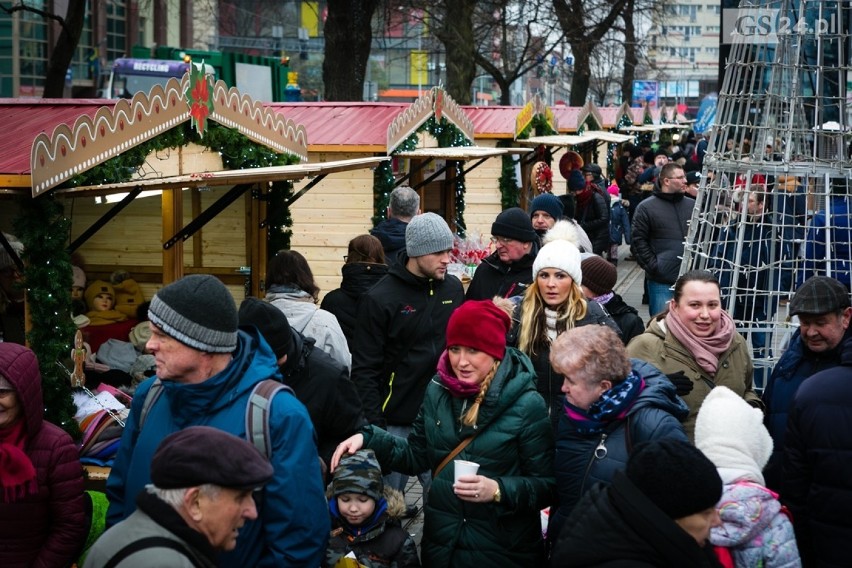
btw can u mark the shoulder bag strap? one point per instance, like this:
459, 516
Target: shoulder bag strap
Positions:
147, 543
462, 445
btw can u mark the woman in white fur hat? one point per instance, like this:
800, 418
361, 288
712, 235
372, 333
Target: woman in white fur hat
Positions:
553, 303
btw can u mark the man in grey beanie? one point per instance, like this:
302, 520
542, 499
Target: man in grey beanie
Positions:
207, 369
400, 330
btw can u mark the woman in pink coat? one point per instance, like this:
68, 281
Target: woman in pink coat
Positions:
42, 519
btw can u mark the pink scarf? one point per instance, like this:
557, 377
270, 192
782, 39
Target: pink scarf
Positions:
17, 473
705, 350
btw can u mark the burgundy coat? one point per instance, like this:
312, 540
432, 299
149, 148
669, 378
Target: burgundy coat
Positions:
46, 529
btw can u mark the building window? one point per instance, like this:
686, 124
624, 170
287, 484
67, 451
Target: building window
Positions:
33, 51
86, 64
116, 13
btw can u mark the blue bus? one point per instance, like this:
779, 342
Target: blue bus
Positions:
129, 76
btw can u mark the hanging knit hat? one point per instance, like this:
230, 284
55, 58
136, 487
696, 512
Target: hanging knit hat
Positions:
676, 476
271, 322
358, 473
78, 277
731, 433
570, 161
548, 203
576, 181
561, 255
514, 223
427, 234
599, 275
479, 324
198, 311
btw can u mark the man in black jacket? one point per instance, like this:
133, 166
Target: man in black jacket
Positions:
659, 230
400, 332
319, 381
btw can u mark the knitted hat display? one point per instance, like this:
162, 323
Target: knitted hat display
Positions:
731, 433
676, 476
576, 181
271, 322
819, 295
514, 223
599, 275
479, 324
78, 277
199, 455
427, 234
128, 296
198, 311
358, 473
570, 161
562, 255
97, 288
548, 203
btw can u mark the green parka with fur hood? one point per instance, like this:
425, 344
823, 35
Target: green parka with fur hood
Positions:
513, 445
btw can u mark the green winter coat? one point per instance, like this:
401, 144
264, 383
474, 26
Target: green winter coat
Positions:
659, 347
515, 448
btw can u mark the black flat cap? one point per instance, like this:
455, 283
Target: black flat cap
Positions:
200, 454
819, 295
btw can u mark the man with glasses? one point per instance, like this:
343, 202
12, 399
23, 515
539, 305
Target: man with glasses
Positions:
660, 224
507, 272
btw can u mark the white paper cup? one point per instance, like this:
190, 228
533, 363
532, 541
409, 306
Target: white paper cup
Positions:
464, 467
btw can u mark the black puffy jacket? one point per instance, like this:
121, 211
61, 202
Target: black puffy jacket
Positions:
343, 302
496, 278
660, 224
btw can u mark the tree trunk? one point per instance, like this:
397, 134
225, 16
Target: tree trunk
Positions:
456, 34
582, 74
348, 38
631, 58
63, 51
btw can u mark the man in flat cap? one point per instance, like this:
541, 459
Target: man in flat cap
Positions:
823, 307
207, 369
199, 499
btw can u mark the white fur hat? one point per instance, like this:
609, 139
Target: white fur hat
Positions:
731, 433
562, 255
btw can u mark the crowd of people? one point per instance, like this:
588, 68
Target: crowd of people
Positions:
280, 433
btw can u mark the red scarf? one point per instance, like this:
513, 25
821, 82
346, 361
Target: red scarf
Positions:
583, 197
17, 473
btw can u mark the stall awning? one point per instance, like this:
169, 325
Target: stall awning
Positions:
461, 152
577, 139
229, 177
652, 127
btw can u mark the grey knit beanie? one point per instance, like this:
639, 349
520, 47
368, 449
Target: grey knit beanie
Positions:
198, 311
427, 234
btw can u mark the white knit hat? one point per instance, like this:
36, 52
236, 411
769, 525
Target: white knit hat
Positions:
731, 433
561, 255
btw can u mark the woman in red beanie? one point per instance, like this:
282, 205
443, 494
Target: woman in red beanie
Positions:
481, 406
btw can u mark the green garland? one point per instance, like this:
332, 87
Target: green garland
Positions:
447, 135
539, 125
43, 229
510, 193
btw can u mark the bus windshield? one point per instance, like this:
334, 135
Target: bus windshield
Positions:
130, 76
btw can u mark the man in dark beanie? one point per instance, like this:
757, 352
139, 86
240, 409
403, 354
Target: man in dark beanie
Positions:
506, 272
658, 512
399, 333
320, 382
545, 210
200, 497
207, 370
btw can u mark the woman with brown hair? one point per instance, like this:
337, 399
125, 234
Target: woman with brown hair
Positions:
364, 266
291, 289
482, 407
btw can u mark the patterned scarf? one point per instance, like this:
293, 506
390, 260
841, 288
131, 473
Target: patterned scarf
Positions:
17, 473
457, 388
705, 350
611, 406
550, 323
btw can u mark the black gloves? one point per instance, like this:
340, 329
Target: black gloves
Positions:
683, 384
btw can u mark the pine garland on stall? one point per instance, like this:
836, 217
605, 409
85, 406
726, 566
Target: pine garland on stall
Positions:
43, 229
510, 193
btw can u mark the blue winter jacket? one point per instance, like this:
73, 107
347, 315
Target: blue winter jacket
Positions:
292, 525
585, 459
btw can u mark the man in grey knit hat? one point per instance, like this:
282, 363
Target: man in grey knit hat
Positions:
400, 332
207, 369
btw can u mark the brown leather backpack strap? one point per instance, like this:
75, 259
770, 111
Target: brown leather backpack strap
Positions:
462, 445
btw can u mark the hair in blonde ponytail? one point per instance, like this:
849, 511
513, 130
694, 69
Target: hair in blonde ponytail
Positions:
472, 414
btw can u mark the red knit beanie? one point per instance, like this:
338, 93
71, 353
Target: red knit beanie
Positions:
481, 325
